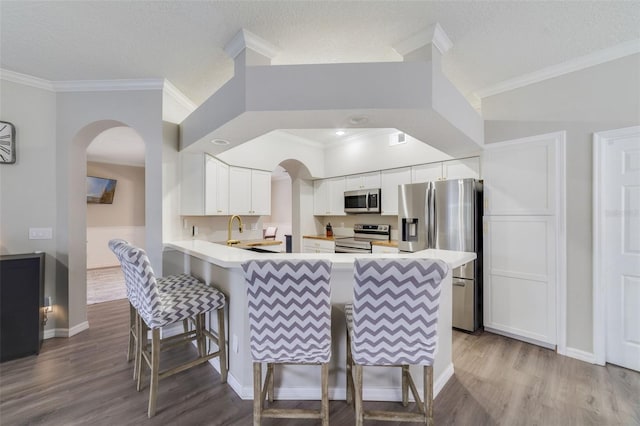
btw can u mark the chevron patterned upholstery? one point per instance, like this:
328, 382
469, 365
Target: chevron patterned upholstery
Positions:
289, 310
393, 322
158, 308
289, 305
395, 311
157, 302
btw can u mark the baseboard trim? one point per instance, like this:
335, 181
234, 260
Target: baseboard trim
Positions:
335, 393
66, 332
581, 355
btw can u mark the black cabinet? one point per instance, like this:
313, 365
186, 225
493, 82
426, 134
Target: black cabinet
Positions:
21, 302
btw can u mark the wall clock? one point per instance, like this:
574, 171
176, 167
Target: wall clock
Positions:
7, 143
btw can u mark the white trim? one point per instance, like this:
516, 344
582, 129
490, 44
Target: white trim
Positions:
621, 50
66, 332
581, 355
392, 394
78, 328
245, 39
26, 80
561, 242
108, 85
599, 292
180, 98
434, 34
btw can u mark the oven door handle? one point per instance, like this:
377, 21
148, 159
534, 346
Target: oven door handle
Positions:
350, 250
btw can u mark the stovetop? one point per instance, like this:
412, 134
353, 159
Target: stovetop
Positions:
364, 235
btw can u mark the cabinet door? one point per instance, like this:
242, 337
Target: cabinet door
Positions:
390, 181
462, 169
426, 173
239, 190
210, 185
375, 249
362, 181
320, 199
335, 196
222, 189
260, 192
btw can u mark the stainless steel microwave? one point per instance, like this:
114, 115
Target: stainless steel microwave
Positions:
362, 201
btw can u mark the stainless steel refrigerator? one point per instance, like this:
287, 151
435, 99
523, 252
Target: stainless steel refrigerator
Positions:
447, 215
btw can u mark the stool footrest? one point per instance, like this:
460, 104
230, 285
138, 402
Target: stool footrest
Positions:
392, 416
291, 413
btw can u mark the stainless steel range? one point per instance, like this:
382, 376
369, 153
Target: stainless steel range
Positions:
363, 235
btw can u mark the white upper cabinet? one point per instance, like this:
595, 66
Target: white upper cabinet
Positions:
390, 181
446, 170
363, 181
204, 185
250, 191
328, 197
426, 172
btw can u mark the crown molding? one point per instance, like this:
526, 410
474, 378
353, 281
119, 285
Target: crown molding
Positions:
245, 39
621, 50
26, 80
432, 35
108, 85
178, 96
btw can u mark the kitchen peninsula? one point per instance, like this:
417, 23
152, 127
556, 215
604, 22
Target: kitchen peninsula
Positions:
219, 265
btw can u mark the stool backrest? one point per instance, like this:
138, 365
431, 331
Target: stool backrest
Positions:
118, 247
395, 310
139, 275
289, 305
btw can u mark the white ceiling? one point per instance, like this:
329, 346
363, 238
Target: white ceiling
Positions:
117, 145
183, 41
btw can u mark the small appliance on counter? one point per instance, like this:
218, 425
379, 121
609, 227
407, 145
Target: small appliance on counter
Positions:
363, 235
447, 215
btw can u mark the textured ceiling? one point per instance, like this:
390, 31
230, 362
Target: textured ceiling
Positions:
183, 41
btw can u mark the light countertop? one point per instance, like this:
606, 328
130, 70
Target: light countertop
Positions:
231, 257
390, 243
321, 237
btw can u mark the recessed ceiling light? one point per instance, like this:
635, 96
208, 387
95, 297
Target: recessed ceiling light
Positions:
358, 119
220, 142
340, 132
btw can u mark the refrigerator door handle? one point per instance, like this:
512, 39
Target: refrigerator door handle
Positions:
433, 220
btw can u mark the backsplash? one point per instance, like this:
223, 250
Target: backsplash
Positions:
214, 228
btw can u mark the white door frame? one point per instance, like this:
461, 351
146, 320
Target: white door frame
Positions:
600, 139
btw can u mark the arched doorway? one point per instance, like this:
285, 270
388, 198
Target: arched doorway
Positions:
116, 156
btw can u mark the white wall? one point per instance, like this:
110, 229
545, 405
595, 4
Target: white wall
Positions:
595, 99
28, 193
281, 208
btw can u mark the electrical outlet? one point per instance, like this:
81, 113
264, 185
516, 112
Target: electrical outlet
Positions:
40, 233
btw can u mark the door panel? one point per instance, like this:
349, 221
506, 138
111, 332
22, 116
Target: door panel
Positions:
621, 249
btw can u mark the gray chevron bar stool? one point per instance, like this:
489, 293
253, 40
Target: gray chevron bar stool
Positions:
157, 309
393, 322
167, 283
290, 323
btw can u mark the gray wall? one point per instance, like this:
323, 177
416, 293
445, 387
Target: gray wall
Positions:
599, 98
28, 194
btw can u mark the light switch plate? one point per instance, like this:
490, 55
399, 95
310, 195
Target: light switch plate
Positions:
40, 233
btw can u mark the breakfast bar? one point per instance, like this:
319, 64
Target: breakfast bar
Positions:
219, 265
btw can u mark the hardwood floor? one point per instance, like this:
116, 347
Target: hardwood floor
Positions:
86, 380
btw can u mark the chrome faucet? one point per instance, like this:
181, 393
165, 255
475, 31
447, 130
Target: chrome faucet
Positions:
229, 240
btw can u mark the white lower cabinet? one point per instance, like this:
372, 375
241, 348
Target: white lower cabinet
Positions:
376, 249
313, 245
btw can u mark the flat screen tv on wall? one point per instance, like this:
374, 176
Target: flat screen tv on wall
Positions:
100, 190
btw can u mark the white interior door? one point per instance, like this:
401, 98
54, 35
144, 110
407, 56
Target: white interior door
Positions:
621, 248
